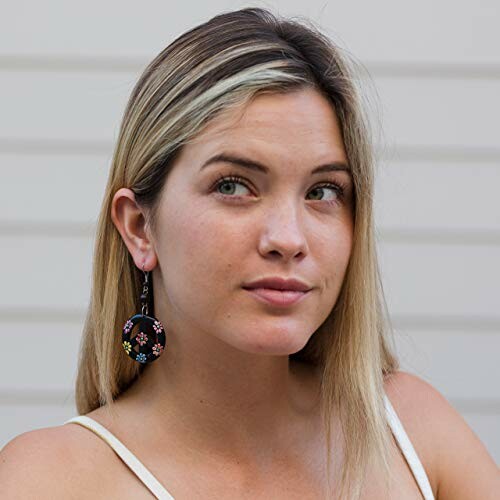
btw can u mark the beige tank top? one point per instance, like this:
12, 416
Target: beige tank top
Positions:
160, 492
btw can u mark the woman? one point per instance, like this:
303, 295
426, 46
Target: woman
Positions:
237, 343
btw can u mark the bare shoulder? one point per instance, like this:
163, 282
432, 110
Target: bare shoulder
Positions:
50, 463
456, 461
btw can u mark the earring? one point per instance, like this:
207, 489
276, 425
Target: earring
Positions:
149, 342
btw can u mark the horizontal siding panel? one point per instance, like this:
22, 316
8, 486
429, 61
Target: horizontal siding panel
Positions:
438, 281
440, 357
49, 349
408, 195
438, 195
53, 189
87, 107
20, 418
434, 112
78, 107
419, 279
472, 36
55, 272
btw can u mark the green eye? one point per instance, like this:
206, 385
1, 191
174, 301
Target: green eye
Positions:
228, 181
224, 182
334, 187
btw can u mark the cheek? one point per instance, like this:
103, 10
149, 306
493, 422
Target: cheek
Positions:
335, 255
201, 249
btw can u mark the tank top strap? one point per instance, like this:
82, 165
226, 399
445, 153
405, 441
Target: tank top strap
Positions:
134, 464
408, 451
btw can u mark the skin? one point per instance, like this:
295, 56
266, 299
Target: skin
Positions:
223, 346
223, 413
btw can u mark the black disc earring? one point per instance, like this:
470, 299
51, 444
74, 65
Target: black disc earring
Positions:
148, 344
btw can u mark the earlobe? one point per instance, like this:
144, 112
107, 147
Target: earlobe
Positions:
130, 222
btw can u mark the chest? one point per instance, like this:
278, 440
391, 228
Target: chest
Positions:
285, 481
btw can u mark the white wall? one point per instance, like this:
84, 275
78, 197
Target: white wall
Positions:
66, 70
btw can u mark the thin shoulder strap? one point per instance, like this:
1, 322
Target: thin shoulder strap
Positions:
408, 451
126, 455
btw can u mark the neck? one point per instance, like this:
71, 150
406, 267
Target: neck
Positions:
226, 401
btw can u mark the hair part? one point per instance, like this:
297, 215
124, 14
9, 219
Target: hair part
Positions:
215, 67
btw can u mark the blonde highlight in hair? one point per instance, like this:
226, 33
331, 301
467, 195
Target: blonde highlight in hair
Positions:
214, 67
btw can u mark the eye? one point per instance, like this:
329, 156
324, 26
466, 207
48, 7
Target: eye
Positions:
225, 187
338, 192
224, 184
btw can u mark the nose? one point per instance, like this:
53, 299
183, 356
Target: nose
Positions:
283, 234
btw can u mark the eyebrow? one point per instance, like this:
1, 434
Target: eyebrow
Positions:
259, 167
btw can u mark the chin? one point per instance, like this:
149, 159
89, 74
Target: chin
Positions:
274, 344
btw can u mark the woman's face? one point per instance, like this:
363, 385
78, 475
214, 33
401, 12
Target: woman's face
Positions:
217, 233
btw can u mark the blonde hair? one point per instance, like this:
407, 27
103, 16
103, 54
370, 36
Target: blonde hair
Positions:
218, 65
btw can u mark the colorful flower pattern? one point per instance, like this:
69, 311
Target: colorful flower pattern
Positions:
128, 326
157, 326
141, 338
141, 358
157, 349
127, 346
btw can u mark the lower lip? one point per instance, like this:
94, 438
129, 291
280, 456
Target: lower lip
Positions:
280, 298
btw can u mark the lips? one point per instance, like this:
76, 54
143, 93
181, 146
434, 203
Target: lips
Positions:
279, 298
278, 291
278, 283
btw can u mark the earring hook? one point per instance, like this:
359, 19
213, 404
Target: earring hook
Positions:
145, 289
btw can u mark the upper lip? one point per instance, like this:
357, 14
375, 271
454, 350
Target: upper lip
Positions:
278, 283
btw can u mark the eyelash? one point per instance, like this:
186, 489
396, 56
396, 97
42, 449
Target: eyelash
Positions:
339, 187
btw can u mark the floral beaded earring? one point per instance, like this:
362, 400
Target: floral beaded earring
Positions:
149, 342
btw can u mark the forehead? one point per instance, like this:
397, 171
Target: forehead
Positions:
296, 124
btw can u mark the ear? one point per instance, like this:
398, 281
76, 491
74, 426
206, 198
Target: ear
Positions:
130, 221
